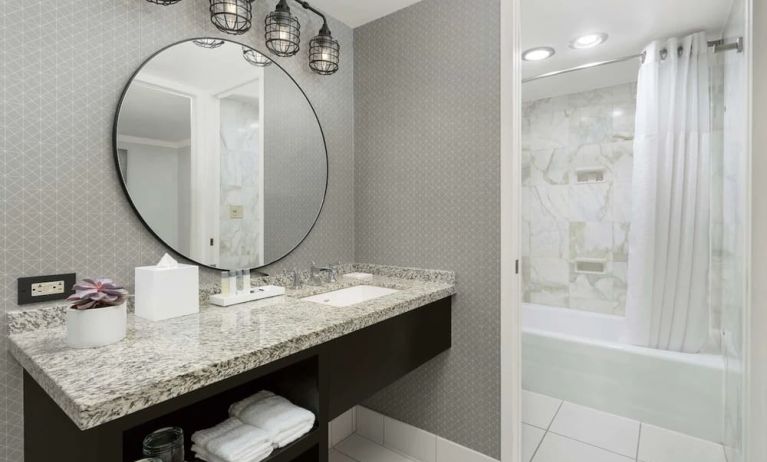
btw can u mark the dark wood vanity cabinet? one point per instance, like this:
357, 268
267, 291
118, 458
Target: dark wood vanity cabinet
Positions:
327, 379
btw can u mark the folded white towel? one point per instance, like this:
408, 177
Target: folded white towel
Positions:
236, 408
203, 437
280, 418
287, 437
240, 443
255, 456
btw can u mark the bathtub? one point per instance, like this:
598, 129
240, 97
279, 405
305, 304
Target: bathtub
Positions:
580, 357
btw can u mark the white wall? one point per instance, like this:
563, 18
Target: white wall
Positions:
153, 184
184, 198
757, 387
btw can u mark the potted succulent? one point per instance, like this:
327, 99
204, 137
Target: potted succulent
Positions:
98, 315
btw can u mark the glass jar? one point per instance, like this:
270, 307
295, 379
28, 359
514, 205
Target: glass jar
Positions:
165, 444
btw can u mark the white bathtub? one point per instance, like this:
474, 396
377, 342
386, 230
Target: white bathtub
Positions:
579, 357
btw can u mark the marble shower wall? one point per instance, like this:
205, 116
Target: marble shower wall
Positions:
242, 239
577, 164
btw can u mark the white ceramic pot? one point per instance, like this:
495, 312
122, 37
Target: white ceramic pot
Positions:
96, 327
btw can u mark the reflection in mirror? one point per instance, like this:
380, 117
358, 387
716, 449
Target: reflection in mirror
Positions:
222, 157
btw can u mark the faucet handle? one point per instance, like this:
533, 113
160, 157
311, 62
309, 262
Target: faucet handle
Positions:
296, 279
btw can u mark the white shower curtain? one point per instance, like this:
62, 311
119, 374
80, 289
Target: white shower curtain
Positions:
667, 300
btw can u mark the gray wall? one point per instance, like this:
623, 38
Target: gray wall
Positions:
63, 65
427, 90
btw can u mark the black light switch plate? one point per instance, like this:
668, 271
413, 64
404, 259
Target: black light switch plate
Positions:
36, 289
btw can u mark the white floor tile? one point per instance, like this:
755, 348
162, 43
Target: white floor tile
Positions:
537, 409
608, 431
370, 424
660, 445
407, 439
336, 456
531, 438
557, 448
364, 450
447, 451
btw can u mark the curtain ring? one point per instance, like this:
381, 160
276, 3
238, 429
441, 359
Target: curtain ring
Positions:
643, 57
680, 51
663, 53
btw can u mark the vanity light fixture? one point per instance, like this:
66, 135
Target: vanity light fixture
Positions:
283, 31
324, 52
283, 38
588, 41
538, 54
208, 42
231, 16
255, 58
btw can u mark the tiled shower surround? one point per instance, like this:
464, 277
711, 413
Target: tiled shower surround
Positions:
577, 162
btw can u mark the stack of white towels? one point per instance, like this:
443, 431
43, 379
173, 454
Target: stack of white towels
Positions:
257, 426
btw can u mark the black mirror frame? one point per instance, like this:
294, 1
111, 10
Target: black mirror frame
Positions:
125, 186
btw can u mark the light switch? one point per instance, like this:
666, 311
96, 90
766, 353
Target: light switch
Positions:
236, 212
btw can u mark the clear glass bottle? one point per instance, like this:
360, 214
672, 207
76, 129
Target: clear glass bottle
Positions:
246, 280
166, 444
225, 283
240, 286
232, 282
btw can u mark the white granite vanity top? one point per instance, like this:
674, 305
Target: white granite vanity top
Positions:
161, 360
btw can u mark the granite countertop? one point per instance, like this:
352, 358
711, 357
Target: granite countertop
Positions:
158, 361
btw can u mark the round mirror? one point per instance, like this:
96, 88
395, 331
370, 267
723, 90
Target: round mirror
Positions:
221, 154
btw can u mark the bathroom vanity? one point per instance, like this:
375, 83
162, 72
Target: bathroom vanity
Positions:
97, 405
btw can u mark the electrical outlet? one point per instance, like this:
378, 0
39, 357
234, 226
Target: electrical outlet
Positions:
236, 212
47, 288
37, 289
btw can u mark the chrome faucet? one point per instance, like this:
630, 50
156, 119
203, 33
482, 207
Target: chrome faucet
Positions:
316, 272
297, 283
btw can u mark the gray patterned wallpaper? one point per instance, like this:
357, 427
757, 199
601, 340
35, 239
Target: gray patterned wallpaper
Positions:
427, 90
63, 65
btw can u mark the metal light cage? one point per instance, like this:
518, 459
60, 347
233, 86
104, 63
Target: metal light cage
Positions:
163, 2
208, 42
324, 53
231, 16
283, 31
255, 58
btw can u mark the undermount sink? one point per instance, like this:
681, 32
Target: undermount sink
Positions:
350, 295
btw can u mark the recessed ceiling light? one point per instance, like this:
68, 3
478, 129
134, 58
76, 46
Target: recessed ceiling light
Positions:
588, 41
538, 54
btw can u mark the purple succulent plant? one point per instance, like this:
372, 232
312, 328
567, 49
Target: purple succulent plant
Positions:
97, 293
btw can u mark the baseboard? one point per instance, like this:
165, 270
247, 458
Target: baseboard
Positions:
405, 439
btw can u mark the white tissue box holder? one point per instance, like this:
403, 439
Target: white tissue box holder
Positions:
255, 293
165, 293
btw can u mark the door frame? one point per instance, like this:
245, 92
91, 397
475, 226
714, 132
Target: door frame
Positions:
511, 155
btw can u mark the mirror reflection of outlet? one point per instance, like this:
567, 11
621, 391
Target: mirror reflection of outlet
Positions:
236, 212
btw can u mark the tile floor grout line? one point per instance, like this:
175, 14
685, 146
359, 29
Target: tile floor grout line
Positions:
532, 457
590, 444
344, 454
554, 417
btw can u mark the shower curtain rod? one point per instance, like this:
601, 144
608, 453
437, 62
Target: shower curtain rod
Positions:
718, 45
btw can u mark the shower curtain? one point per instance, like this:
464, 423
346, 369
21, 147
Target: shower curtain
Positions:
667, 300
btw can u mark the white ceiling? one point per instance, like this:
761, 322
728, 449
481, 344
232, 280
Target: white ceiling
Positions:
157, 115
630, 24
355, 13
207, 70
